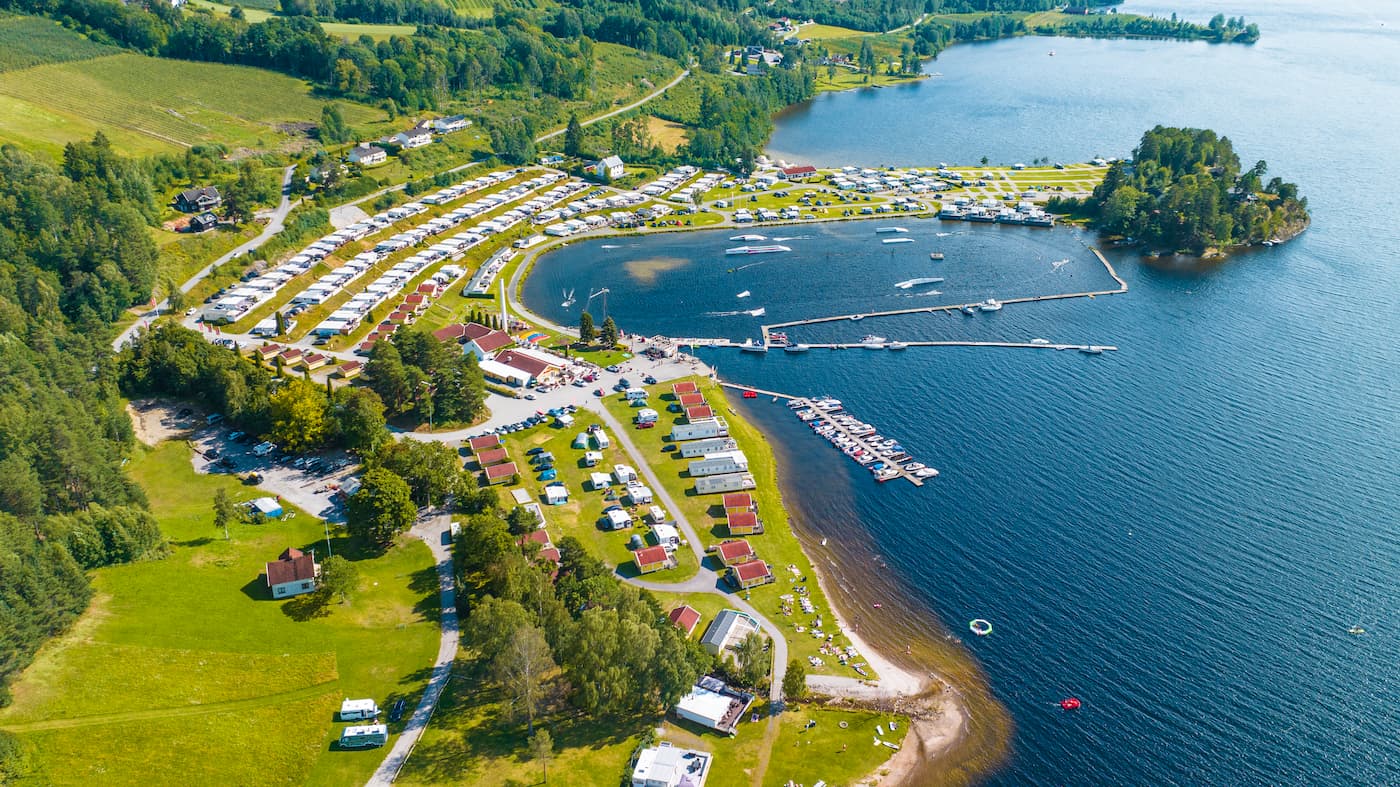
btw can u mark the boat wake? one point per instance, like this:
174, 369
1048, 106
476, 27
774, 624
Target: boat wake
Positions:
1057, 264
794, 237
750, 265
930, 292
908, 283
759, 312
610, 246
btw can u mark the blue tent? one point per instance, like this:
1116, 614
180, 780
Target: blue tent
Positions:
549, 475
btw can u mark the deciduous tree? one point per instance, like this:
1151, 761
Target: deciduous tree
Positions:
339, 578
381, 509
298, 414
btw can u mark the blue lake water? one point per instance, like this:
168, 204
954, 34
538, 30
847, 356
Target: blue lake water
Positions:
1179, 533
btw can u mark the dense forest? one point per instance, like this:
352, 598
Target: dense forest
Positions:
1184, 190
75, 250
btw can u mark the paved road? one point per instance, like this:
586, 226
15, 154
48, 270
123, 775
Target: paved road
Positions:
705, 580
620, 110
274, 226
433, 530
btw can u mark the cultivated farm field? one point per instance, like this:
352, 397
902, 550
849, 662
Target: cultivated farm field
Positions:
148, 105
27, 41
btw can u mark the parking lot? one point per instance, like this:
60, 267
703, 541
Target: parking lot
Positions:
312, 483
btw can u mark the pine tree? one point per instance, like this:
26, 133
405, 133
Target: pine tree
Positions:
573, 137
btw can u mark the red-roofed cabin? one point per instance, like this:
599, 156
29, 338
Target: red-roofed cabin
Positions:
268, 351
290, 355
484, 442
349, 370
692, 400
739, 501
450, 333
744, 523
732, 553
366, 346
684, 387
429, 289
313, 361
685, 618
694, 413
539, 536
651, 559
501, 474
799, 173
416, 302
493, 456
293, 573
750, 574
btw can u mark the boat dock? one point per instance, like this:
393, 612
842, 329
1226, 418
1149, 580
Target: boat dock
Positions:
854, 438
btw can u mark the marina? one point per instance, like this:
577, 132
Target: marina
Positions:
884, 457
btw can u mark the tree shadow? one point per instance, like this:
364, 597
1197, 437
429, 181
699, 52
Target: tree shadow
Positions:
194, 542
308, 606
424, 582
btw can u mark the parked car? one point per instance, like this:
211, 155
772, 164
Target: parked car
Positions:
397, 712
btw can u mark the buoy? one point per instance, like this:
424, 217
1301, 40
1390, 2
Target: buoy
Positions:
1070, 703
980, 627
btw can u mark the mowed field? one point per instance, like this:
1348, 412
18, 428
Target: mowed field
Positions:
148, 105
183, 671
342, 29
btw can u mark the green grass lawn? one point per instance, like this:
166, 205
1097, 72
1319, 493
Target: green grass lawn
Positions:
846, 79
777, 545
181, 665
579, 517
148, 105
351, 30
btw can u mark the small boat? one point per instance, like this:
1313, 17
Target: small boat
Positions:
927, 472
748, 238
1091, 350
935, 255
886, 474
796, 348
749, 346
980, 626
771, 249
1356, 631
1070, 703
898, 346
887, 230
855, 317
990, 305
877, 606
568, 299
968, 310
897, 240
823, 542
1052, 53
873, 342
1040, 341
743, 294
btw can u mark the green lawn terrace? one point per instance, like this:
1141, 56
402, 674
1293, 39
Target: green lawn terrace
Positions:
186, 665
793, 573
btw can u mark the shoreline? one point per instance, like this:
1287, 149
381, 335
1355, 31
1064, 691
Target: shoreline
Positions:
958, 731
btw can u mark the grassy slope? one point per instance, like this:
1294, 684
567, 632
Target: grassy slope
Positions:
27, 41
148, 105
168, 636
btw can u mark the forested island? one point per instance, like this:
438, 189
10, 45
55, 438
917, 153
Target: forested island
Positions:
1184, 190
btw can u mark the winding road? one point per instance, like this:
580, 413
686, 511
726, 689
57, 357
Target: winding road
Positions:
644, 99
274, 226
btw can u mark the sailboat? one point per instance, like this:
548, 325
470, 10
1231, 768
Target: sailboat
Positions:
568, 299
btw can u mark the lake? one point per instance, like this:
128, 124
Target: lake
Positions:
1179, 533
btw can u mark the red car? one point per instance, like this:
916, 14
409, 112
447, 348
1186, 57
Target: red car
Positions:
750, 394
646, 424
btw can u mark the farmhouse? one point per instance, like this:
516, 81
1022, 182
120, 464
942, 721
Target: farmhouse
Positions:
293, 573
367, 155
198, 199
712, 704
651, 559
727, 629
448, 125
685, 617
750, 574
416, 137
611, 168
665, 765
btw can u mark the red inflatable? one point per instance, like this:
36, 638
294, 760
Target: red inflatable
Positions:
1070, 703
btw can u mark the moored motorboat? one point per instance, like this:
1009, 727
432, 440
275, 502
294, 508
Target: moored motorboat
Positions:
897, 240
898, 346
750, 346
990, 305
748, 238
796, 348
935, 255
887, 230
1091, 350
770, 249
873, 342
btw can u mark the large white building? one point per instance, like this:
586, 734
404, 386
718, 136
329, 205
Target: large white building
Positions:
668, 766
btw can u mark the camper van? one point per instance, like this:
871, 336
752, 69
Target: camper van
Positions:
357, 710
364, 737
